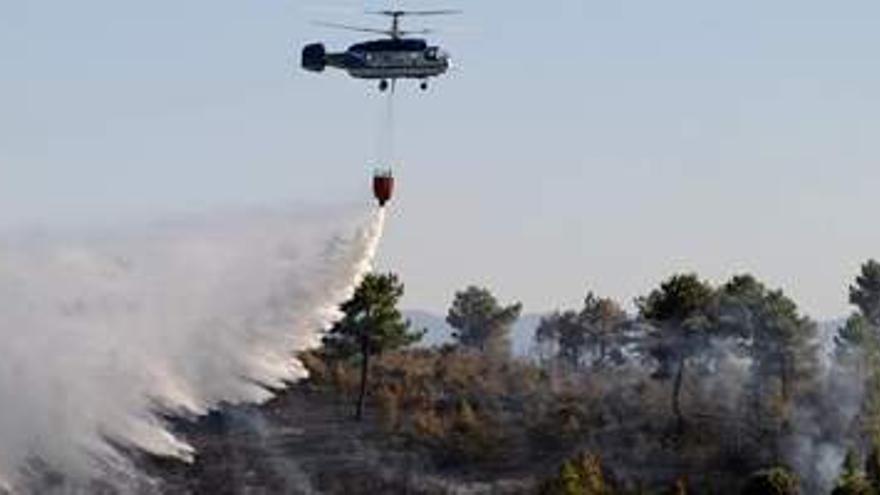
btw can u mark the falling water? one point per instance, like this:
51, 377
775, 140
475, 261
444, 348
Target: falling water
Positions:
106, 333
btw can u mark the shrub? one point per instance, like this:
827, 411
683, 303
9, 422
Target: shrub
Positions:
852, 480
774, 481
582, 475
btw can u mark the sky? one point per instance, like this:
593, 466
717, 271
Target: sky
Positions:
577, 145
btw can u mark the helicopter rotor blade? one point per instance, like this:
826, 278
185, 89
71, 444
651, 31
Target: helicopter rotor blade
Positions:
400, 13
352, 28
434, 12
408, 32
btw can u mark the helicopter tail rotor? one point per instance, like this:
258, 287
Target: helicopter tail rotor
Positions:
314, 57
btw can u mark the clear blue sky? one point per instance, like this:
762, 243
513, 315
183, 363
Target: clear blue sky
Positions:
578, 143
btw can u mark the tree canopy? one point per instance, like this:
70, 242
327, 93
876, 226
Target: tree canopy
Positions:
782, 343
865, 294
677, 300
586, 334
480, 322
372, 313
861, 332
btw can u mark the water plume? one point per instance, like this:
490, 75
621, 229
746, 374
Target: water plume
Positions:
106, 333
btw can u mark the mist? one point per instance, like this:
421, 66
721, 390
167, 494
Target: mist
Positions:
108, 332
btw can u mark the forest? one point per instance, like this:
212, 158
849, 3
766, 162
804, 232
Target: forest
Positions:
703, 389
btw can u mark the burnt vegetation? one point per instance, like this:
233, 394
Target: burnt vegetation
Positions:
704, 388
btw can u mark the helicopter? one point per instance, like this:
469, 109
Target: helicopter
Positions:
399, 56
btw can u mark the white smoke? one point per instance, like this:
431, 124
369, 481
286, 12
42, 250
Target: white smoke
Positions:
103, 334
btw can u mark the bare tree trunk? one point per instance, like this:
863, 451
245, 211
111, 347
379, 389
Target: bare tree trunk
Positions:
365, 370
676, 396
785, 378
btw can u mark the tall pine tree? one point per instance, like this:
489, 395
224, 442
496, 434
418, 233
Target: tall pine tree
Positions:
371, 325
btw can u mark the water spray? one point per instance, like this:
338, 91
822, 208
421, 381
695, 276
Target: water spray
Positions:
106, 335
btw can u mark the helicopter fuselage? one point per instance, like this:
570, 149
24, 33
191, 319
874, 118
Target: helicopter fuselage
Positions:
399, 58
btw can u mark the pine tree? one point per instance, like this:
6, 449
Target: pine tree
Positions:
783, 344
480, 322
679, 312
371, 325
858, 342
589, 333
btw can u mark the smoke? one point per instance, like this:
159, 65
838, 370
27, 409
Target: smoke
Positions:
824, 431
106, 333
281, 463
